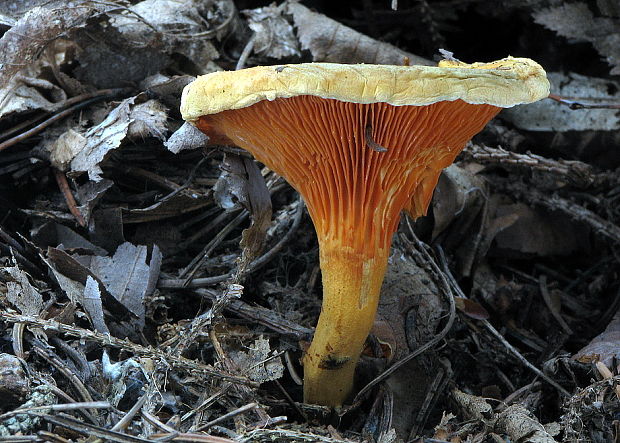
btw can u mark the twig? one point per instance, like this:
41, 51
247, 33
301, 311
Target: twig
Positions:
261, 315
87, 429
124, 422
189, 437
62, 114
61, 179
247, 50
255, 265
573, 104
177, 362
501, 338
544, 291
61, 407
193, 267
228, 415
576, 172
64, 370
523, 360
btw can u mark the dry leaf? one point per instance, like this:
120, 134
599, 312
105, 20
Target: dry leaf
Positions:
67, 266
65, 148
273, 34
126, 275
89, 195
102, 139
148, 119
127, 119
91, 301
186, 137
471, 308
21, 293
22, 44
605, 347
521, 425
473, 407
536, 231
169, 23
56, 235
576, 22
259, 362
330, 41
459, 195
241, 181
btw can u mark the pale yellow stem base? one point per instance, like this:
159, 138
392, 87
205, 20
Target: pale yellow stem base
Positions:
351, 288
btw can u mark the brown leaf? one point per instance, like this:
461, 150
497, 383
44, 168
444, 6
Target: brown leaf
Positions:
536, 231
72, 269
471, 308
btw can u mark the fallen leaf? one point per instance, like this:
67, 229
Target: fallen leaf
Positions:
259, 363
128, 120
148, 119
70, 268
273, 34
577, 22
57, 235
241, 181
186, 137
91, 301
102, 139
21, 47
126, 275
471, 308
536, 231
21, 293
521, 425
168, 23
605, 347
90, 194
330, 41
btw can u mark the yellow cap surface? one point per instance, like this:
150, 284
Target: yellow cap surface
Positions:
503, 83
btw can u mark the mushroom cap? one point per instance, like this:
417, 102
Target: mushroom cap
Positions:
503, 83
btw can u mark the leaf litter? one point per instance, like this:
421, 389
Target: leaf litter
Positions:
154, 286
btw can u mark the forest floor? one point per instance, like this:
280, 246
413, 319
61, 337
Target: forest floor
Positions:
146, 293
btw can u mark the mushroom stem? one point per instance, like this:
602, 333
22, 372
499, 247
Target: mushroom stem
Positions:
351, 288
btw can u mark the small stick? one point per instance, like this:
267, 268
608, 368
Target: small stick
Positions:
607, 375
41, 126
544, 291
61, 179
194, 367
228, 415
572, 104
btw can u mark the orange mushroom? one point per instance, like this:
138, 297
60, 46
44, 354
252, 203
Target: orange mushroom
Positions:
357, 142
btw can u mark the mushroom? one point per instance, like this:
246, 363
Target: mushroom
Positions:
359, 143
